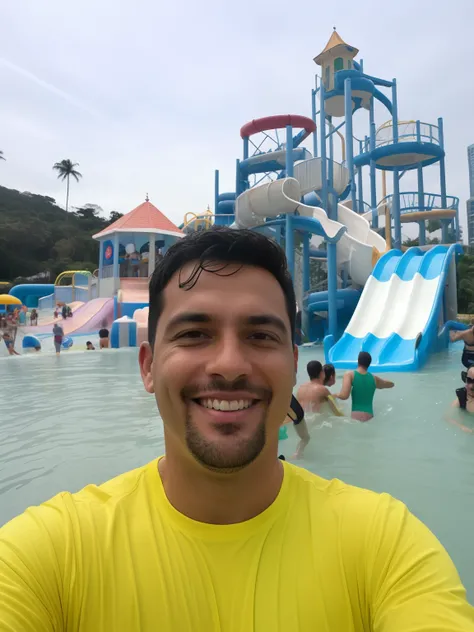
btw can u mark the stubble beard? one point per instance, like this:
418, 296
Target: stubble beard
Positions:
222, 457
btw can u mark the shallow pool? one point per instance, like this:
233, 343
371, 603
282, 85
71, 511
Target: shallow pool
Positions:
84, 417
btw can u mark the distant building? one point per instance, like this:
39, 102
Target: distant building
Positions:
470, 202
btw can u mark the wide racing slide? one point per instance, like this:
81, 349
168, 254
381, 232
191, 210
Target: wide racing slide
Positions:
88, 318
401, 314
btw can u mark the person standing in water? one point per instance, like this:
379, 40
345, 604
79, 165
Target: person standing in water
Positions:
362, 386
465, 395
58, 333
312, 396
10, 344
467, 336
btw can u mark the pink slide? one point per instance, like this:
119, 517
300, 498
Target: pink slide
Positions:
88, 318
134, 290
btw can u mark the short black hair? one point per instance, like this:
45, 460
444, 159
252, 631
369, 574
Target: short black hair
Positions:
329, 372
213, 250
314, 369
364, 360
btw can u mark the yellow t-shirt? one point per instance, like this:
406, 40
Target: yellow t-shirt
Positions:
324, 557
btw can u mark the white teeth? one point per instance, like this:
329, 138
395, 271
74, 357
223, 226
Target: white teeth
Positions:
225, 404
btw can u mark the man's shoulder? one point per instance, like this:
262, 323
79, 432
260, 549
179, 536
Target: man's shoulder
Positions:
354, 502
115, 489
66, 508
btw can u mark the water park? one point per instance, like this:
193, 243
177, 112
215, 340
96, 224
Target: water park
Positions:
336, 203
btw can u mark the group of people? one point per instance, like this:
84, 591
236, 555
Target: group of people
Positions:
314, 397
64, 310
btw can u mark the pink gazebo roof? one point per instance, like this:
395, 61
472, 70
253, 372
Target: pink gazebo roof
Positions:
146, 218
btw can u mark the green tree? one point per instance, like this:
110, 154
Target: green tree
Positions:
66, 169
114, 216
433, 225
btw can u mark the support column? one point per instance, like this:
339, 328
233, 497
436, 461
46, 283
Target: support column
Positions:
246, 147
101, 258
116, 270
306, 263
397, 227
421, 204
306, 284
332, 290
349, 139
322, 133
373, 172
313, 116
237, 179
360, 189
442, 177
422, 233
151, 254
216, 191
332, 200
289, 234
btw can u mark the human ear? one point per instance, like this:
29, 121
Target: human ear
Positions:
145, 360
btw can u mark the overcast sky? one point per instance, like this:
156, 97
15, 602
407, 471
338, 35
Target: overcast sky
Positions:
150, 96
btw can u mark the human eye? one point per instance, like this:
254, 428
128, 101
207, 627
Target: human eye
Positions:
191, 335
263, 336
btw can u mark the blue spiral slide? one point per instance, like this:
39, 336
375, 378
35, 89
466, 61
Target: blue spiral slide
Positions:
403, 311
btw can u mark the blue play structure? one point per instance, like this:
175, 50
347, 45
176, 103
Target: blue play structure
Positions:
30, 293
336, 203
410, 296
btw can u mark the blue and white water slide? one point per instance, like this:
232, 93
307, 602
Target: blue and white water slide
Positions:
402, 314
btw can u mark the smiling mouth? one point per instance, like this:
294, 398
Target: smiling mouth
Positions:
227, 405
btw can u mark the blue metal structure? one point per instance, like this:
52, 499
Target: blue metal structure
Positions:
273, 149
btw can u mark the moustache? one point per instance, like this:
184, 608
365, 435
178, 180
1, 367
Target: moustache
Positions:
191, 391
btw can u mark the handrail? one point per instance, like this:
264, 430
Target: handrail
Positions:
408, 131
431, 201
204, 217
70, 273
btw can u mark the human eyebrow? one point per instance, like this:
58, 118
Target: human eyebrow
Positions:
188, 318
268, 319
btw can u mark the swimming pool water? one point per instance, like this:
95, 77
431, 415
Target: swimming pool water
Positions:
85, 417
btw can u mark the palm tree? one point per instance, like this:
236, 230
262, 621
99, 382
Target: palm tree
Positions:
66, 169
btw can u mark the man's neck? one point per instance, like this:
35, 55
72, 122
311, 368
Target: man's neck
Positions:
317, 380
213, 498
361, 369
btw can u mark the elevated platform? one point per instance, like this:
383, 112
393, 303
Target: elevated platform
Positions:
433, 207
414, 144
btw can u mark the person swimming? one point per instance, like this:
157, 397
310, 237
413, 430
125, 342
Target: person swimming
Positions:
362, 386
467, 336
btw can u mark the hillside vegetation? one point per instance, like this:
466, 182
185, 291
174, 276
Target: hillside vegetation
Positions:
37, 236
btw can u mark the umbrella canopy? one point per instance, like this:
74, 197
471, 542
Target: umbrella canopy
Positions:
7, 299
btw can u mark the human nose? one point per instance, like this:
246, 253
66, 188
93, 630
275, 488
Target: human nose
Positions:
229, 359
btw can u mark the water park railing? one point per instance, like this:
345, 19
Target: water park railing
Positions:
409, 202
46, 302
202, 222
408, 132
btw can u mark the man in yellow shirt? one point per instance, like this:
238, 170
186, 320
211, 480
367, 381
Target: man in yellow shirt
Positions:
219, 535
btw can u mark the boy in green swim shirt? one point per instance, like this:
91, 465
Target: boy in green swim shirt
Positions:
362, 386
